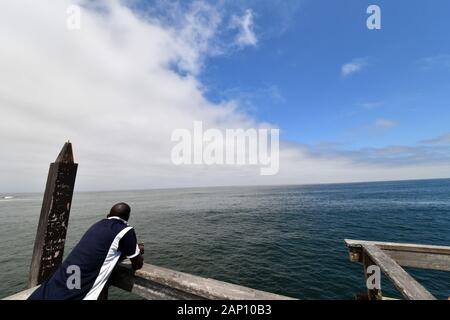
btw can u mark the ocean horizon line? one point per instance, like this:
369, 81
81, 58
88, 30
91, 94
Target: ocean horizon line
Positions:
9, 193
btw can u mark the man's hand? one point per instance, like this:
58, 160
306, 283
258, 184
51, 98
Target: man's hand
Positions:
138, 261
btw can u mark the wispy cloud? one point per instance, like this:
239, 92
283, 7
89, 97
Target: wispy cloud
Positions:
384, 124
391, 155
201, 29
354, 66
371, 105
251, 100
371, 130
246, 35
441, 140
437, 61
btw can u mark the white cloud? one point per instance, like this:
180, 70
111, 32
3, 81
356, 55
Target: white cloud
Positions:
113, 89
354, 66
194, 33
110, 88
246, 35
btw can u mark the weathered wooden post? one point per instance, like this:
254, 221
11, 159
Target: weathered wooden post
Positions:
372, 294
52, 228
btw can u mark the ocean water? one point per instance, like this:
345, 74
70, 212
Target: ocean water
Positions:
287, 240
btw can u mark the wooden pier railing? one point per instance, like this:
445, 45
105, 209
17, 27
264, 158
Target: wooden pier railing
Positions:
152, 282
156, 283
390, 257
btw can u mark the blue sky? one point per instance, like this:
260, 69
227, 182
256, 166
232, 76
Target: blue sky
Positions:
352, 104
293, 78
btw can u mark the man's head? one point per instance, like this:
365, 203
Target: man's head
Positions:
121, 210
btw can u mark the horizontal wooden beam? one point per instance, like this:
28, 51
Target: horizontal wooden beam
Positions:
421, 260
406, 284
405, 254
22, 295
152, 282
401, 246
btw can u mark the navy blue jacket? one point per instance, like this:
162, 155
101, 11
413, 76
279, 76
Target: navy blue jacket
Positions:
85, 271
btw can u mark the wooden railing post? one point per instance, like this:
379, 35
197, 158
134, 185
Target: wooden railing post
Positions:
52, 228
390, 257
372, 294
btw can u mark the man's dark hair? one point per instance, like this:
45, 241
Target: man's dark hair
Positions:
121, 210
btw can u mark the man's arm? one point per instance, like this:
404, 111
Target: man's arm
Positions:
138, 261
131, 249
